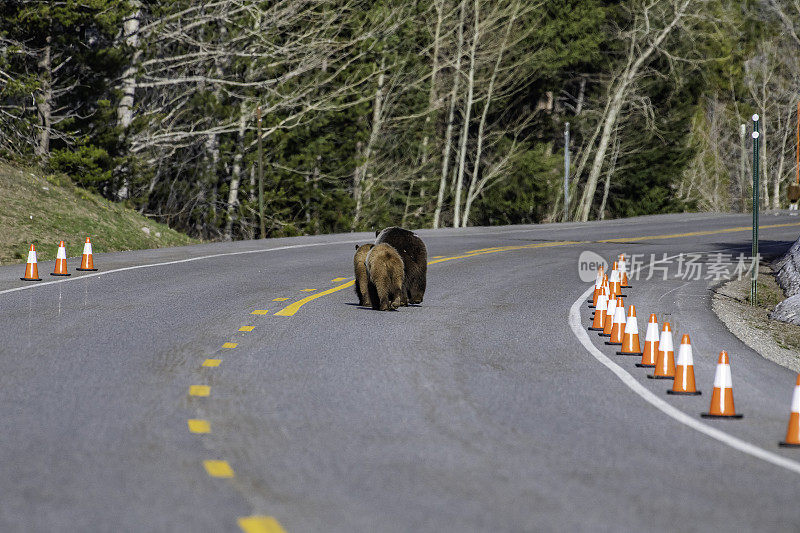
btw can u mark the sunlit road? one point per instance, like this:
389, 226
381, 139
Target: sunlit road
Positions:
479, 410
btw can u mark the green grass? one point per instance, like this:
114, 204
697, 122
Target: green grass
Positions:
43, 209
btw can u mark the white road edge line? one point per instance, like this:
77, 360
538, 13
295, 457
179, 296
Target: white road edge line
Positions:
177, 261
664, 407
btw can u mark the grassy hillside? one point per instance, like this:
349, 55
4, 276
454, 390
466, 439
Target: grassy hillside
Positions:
44, 209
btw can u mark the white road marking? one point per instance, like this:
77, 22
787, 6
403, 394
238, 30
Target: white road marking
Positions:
198, 258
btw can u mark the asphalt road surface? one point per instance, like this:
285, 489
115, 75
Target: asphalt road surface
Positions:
483, 409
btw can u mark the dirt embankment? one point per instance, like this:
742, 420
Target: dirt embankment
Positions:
775, 340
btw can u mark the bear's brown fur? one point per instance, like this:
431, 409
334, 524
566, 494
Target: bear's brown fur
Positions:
415, 260
360, 267
385, 271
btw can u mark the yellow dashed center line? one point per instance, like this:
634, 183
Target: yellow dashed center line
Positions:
280, 299
199, 426
307, 290
246, 328
291, 309
259, 524
217, 468
260, 312
199, 390
336, 280
212, 362
230, 345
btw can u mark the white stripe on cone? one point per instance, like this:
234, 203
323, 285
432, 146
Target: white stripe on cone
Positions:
31, 256
796, 399
632, 326
602, 303
665, 341
652, 332
685, 356
611, 309
87, 249
62, 253
722, 377
619, 315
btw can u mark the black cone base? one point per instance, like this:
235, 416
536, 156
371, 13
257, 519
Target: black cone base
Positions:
642, 365
595, 329
86, 269
613, 343
788, 445
709, 415
630, 353
605, 334
31, 279
681, 393
54, 274
591, 306
653, 376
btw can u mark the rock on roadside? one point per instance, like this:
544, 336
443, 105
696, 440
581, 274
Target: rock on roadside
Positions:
788, 277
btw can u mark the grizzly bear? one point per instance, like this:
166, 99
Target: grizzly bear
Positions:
360, 267
385, 271
415, 260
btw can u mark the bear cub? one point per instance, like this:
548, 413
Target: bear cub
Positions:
360, 267
385, 274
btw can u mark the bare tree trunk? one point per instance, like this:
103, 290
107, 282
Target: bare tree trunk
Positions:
472, 193
581, 96
462, 157
439, 5
408, 203
315, 186
776, 185
236, 173
360, 176
448, 137
618, 94
44, 103
602, 214
130, 30
742, 168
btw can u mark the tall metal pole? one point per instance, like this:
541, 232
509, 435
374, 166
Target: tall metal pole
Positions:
263, 232
754, 274
566, 172
797, 152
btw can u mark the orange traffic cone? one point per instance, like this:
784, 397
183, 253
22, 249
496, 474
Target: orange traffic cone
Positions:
31, 268
598, 284
665, 358
618, 326
793, 432
650, 344
61, 261
630, 339
722, 397
623, 271
684, 371
608, 321
614, 281
599, 312
86, 260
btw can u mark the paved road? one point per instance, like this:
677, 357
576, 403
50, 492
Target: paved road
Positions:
480, 410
